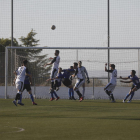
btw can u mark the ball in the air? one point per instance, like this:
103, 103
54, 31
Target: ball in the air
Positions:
53, 27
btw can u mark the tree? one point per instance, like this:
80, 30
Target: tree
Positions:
3, 43
34, 56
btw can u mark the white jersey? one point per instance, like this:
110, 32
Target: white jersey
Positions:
113, 77
21, 71
79, 73
83, 71
55, 62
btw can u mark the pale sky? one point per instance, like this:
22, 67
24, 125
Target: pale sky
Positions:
79, 23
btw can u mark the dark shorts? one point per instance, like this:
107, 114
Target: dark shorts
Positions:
27, 87
138, 86
66, 81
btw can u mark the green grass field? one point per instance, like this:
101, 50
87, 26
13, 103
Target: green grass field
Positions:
69, 120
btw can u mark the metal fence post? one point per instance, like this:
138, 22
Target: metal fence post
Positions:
6, 71
93, 88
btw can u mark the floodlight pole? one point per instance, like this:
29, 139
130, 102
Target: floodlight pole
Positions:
108, 37
11, 39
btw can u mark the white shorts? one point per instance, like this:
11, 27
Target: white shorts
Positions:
53, 73
79, 82
110, 87
19, 85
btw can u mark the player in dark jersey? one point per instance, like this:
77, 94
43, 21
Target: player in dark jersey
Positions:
27, 86
136, 85
67, 81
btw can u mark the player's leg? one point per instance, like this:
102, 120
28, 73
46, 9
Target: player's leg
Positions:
131, 97
83, 90
111, 92
128, 94
79, 83
31, 95
71, 92
106, 89
53, 75
19, 87
52, 92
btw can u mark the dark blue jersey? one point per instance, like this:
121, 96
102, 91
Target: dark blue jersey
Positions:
67, 73
134, 79
27, 80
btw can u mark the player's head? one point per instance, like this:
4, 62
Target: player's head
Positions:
133, 72
59, 70
71, 67
79, 63
75, 65
112, 66
56, 52
24, 62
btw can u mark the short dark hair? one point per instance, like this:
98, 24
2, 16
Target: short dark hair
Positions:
80, 62
133, 72
24, 62
113, 66
71, 67
75, 63
57, 51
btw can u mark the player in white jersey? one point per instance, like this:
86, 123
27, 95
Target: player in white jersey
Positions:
20, 73
84, 74
55, 63
79, 81
112, 84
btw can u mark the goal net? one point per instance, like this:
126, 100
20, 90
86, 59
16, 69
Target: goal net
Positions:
94, 59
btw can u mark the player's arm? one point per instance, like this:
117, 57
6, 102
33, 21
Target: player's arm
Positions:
125, 78
54, 59
86, 73
126, 81
107, 69
30, 79
75, 73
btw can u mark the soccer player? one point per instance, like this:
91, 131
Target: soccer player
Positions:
84, 74
135, 86
80, 80
27, 86
20, 76
56, 85
55, 63
112, 84
67, 81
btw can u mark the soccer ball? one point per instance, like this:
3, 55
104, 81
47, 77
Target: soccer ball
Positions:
53, 27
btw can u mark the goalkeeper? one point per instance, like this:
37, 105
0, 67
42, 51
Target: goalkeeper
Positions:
84, 74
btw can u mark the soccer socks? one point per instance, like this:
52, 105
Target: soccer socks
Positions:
83, 91
107, 93
55, 94
69, 90
126, 96
17, 97
131, 96
112, 97
79, 94
32, 98
72, 92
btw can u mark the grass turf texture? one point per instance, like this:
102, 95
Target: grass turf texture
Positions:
70, 120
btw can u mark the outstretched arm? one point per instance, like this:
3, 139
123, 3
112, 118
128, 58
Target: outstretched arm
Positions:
54, 59
126, 81
125, 78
